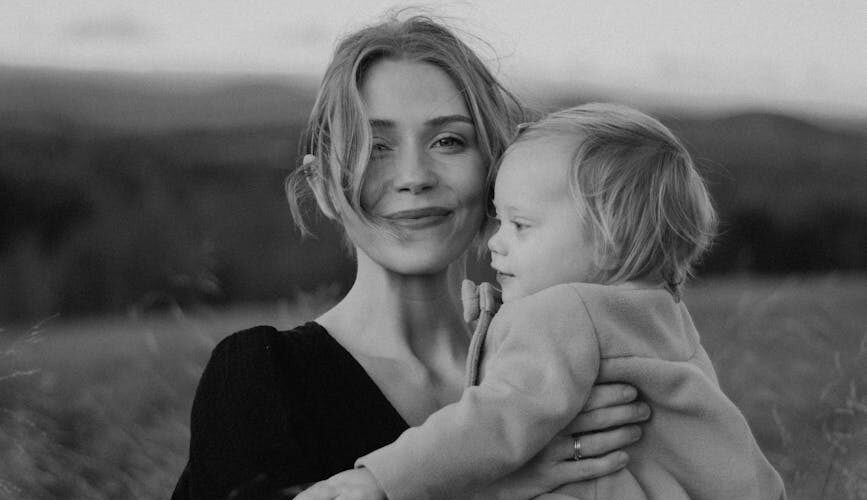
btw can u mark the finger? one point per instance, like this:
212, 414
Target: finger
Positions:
604, 418
592, 445
602, 443
589, 468
308, 159
319, 491
294, 491
605, 395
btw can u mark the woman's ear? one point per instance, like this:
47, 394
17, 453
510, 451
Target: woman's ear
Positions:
311, 167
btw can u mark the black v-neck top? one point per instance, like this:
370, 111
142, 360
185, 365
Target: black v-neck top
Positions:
275, 409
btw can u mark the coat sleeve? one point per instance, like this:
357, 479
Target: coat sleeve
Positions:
541, 359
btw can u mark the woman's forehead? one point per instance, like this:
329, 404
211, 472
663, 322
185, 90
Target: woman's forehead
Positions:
400, 91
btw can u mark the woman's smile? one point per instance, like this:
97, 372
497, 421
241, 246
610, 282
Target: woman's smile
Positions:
420, 218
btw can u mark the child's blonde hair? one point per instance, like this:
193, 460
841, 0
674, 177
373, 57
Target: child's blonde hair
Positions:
647, 207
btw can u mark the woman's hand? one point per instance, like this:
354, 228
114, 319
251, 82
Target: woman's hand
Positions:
603, 428
612, 407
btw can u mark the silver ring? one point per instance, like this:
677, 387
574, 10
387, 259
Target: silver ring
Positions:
576, 448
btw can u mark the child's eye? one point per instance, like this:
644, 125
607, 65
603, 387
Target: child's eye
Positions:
519, 226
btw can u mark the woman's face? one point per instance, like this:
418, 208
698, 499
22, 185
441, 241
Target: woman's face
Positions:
426, 174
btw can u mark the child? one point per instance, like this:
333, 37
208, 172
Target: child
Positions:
602, 215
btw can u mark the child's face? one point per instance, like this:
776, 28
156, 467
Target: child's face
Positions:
541, 240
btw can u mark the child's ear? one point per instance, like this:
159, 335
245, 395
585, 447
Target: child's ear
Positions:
606, 262
311, 167
606, 259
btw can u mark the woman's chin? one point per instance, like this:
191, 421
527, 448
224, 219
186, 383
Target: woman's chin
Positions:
424, 257
414, 263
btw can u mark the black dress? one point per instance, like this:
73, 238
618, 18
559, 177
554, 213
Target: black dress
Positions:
275, 409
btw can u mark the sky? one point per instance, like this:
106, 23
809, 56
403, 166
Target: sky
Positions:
804, 55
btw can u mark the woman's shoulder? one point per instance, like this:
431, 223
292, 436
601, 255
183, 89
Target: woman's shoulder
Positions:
266, 368
252, 409
266, 335
267, 343
264, 356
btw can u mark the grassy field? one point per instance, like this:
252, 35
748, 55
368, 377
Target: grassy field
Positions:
100, 409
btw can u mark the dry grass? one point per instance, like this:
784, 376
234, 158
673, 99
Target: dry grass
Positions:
792, 354
100, 409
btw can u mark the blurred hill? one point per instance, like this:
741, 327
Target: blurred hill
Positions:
114, 103
126, 191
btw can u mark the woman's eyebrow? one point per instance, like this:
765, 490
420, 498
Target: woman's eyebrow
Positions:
377, 123
442, 120
380, 123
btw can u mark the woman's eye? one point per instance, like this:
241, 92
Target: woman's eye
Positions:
379, 151
448, 142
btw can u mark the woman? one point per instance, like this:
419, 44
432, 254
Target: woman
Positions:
404, 132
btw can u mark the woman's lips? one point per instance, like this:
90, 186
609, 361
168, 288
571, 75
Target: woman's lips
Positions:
418, 213
420, 217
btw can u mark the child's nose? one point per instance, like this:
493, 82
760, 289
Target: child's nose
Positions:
495, 243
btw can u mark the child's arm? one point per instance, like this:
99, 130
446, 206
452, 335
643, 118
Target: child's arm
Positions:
541, 360
354, 484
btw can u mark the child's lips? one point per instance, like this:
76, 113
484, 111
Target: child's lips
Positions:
501, 276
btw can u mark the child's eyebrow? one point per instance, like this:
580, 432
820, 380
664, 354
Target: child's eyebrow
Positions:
507, 209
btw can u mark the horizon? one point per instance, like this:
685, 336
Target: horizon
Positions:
173, 83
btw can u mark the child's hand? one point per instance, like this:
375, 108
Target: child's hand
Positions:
355, 484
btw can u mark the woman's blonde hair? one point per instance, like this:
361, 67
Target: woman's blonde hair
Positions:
338, 133
647, 207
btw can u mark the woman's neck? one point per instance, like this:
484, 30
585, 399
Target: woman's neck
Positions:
388, 313
408, 334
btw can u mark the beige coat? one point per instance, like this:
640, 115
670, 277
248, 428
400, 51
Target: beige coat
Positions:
535, 367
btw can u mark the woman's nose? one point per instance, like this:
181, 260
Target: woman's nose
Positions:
415, 173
